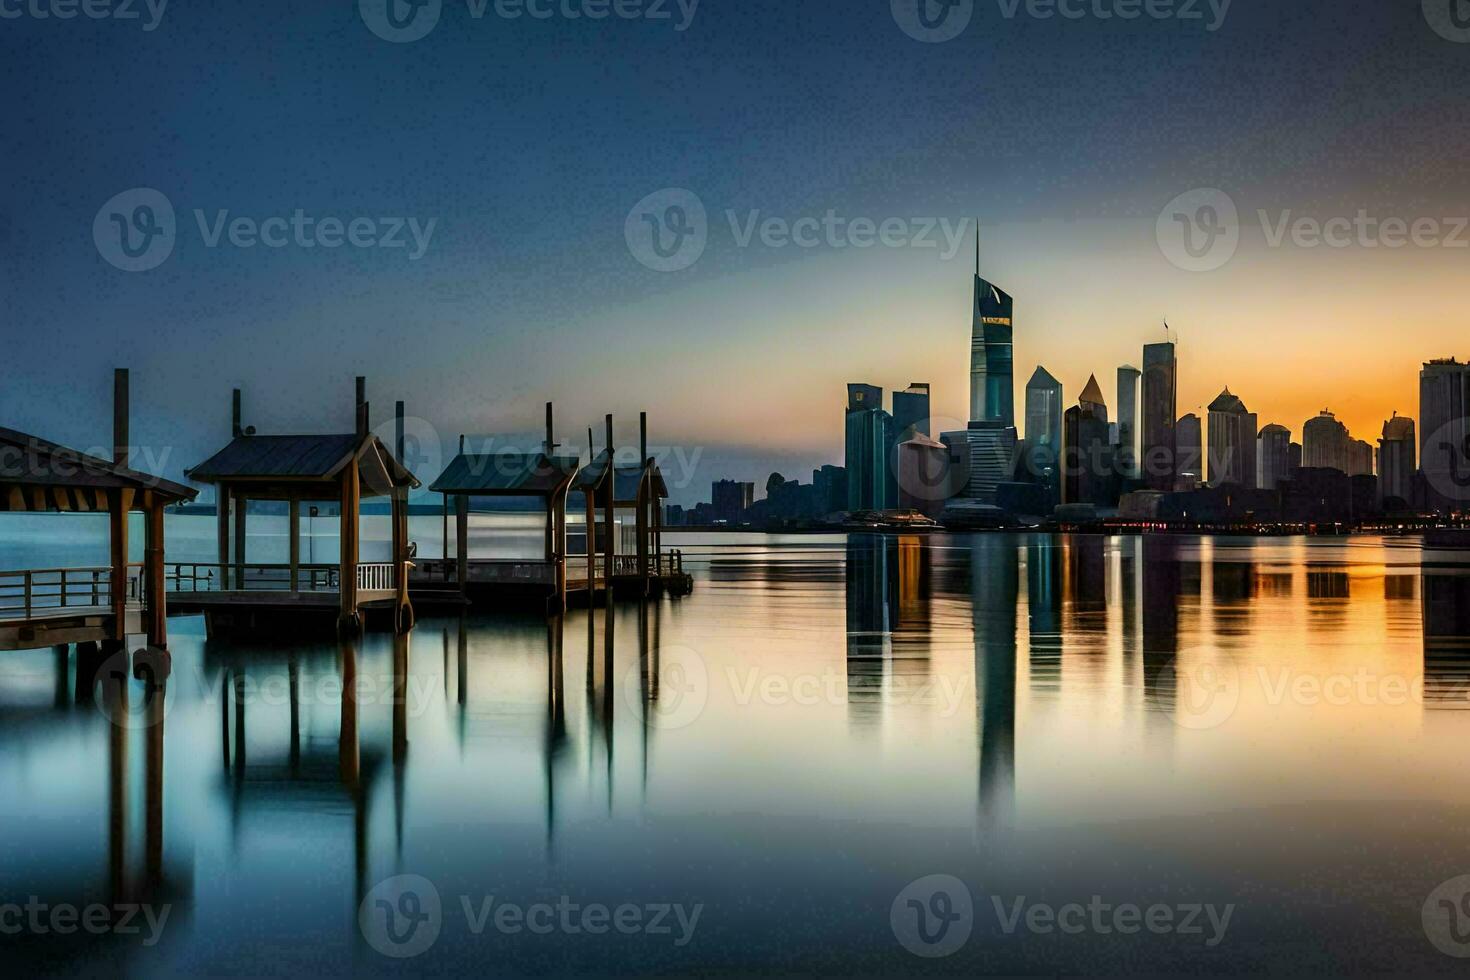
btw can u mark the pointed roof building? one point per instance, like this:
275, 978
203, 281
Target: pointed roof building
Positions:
1091, 399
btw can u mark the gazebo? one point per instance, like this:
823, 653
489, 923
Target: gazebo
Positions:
100, 604
344, 468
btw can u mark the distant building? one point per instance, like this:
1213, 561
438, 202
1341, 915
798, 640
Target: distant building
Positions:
871, 481
1444, 432
1296, 458
1273, 456
1043, 427
829, 485
1091, 400
923, 472
730, 499
1232, 444
1396, 452
1127, 440
1325, 443
674, 515
1088, 472
1158, 451
1359, 457
983, 456
1189, 453
911, 410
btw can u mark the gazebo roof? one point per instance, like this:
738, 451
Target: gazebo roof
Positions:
506, 474
34, 469
593, 475
625, 485
304, 459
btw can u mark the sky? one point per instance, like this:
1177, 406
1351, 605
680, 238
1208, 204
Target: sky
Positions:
501, 170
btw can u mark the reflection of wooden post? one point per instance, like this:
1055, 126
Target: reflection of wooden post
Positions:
155, 693
347, 572
154, 585
222, 527
115, 695
293, 532
119, 503
609, 546
347, 741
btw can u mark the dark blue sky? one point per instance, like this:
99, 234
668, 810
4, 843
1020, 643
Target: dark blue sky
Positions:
527, 142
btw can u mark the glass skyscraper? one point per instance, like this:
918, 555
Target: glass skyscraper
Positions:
992, 388
1158, 454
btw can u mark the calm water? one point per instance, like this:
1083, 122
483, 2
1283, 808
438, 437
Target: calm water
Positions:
1273, 726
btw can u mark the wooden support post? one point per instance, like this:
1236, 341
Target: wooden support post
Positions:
609, 546
462, 540
347, 619
222, 505
444, 537
658, 532
590, 496
120, 441
293, 533
154, 585
558, 515
242, 504
119, 503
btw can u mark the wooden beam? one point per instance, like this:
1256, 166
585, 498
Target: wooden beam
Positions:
293, 534
609, 546
155, 588
462, 540
347, 567
222, 530
120, 502
241, 506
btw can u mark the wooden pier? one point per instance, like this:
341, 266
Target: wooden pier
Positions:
555, 578
97, 604
240, 597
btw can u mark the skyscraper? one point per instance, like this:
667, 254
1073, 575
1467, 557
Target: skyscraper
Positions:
992, 391
911, 410
1359, 457
871, 481
1157, 459
1396, 460
1232, 446
1273, 456
1325, 442
1044, 409
1188, 457
1128, 376
1444, 432
1091, 400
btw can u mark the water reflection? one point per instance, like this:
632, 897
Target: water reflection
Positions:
1003, 706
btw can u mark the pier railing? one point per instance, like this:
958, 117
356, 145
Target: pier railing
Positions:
376, 577
249, 577
26, 593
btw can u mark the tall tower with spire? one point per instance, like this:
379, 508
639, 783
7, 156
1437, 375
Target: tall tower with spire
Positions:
992, 386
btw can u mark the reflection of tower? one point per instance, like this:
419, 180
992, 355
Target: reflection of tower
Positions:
1162, 584
1445, 610
872, 601
994, 570
1044, 613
